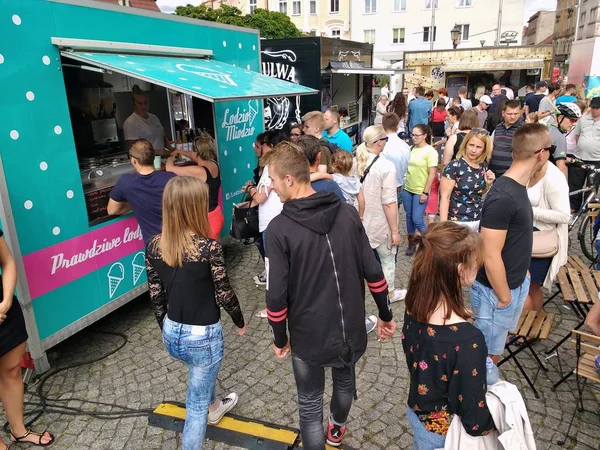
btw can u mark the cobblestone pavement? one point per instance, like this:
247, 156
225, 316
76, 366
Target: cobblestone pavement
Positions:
142, 375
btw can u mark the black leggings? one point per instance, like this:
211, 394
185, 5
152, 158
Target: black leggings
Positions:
310, 381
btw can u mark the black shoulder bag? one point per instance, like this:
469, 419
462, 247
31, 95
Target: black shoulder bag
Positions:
366, 172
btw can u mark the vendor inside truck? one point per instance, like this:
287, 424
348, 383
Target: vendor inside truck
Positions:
142, 124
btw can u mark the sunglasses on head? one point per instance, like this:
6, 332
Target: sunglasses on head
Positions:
550, 149
480, 131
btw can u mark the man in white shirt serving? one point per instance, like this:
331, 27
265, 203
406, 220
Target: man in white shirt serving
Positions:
144, 125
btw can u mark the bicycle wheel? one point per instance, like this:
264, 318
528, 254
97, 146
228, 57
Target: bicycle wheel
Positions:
586, 238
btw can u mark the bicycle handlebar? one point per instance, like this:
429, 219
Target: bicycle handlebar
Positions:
579, 163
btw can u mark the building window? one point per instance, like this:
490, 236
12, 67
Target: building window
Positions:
334, 6
336, 33
427, 35
399, 5
369, 36
593, 15
428, 3
296, 7
253, 5
313, 6
370, 6
283, 6
398, 36
463, 3
464, 30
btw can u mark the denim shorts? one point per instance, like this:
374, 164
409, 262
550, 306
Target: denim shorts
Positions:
493, 321
423, 439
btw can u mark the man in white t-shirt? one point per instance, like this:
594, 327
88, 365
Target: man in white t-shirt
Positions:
144, 125
464, 101
385, 90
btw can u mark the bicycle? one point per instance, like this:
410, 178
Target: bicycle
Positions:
590, 207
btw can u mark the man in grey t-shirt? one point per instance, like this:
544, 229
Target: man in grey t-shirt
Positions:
587, 133
547, 104
587, 136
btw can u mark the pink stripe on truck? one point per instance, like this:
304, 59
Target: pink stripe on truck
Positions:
52, 267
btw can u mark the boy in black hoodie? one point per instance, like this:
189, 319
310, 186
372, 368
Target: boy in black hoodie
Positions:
317, 260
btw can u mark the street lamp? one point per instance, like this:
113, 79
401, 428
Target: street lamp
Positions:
455, 35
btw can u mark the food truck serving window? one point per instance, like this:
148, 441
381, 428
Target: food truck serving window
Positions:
210, 80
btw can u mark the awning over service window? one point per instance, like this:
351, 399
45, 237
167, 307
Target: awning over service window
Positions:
490, 66
358, 67
208, 79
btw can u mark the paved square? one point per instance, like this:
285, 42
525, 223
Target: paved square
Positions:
142, 375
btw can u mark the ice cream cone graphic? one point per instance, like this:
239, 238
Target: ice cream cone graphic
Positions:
139, 265
115, 275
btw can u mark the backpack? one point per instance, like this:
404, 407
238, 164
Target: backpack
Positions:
330, 145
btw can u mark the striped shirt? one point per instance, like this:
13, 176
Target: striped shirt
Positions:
501, 156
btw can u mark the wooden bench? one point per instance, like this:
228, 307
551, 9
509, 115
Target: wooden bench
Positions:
532, 326
586, 349
579, 286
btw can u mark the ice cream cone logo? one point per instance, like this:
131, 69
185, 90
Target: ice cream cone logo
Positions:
211, 74
139, 265
115, 275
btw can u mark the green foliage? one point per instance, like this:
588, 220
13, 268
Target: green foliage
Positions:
382, 80
271, 24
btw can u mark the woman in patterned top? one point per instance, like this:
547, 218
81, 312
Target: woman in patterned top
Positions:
186, 272
465, 180
445, 354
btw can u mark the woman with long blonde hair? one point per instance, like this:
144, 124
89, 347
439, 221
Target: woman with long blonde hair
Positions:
186, 272
204, 154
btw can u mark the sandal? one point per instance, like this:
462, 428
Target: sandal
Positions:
262, 314
34, 433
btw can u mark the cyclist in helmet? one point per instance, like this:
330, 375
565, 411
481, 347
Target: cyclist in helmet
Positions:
567, 115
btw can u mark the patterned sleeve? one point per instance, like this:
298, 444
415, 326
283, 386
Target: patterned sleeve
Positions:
450, 170
467, 387
156, 289
223, 292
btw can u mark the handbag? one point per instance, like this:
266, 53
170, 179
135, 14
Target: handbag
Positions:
545, 243
368, 169
244, 222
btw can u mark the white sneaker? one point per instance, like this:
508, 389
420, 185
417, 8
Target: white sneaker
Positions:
227, 404
399, 294
370, 323
260, 279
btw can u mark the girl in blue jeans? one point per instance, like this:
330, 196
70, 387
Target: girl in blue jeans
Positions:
186, 270
422, 170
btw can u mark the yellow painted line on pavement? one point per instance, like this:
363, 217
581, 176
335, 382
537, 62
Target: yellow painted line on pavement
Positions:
239, 426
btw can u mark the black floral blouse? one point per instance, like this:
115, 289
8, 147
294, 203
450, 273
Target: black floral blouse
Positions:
191, 294
466, 199
447, 375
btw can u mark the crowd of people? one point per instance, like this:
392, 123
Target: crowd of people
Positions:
483, 188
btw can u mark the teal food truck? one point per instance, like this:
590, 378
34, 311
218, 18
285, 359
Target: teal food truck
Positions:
68, 68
